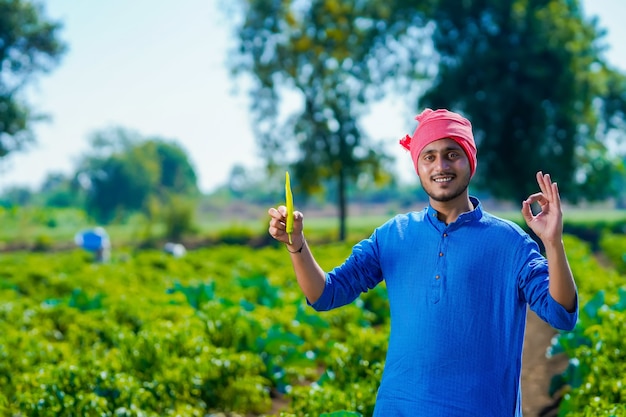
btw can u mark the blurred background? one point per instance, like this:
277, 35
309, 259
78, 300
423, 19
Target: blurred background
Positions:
142, 142
232, 94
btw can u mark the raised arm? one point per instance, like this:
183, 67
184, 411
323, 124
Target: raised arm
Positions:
310, 276
548, 225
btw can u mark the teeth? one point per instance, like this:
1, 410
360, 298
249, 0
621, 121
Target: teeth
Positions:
446, 179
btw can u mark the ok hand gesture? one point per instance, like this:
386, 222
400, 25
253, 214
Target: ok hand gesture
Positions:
547, 224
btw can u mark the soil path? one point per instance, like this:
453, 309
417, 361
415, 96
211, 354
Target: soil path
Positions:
537, 370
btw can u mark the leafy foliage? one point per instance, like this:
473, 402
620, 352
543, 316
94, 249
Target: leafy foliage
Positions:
223, 329
614, 247
29, 44
593, 382
126, 172
531, 77
335, 56
226, 329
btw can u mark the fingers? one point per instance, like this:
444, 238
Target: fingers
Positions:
549, 192
543, 197
278, 213
538, 198
277, 225
546, 222
548, 199
547, 182
277, 222
548, 188
541, 181
527, 213
557, 196
534, 198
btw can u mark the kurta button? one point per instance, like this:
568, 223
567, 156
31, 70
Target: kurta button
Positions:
437, 277
445, 235
440, 253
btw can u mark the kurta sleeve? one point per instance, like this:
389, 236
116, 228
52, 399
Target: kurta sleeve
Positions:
358, 274
534, 281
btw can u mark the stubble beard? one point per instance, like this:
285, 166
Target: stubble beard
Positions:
445, 197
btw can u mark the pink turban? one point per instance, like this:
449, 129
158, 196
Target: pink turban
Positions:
441, 124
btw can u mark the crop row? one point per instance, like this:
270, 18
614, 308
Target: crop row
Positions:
226, 329
594, 383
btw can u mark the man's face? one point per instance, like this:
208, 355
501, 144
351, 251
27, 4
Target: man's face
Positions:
444, 170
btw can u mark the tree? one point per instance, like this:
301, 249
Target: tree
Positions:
29, 44
127, 173
59, 190
177, 174
335, 57
530, 76
16, 196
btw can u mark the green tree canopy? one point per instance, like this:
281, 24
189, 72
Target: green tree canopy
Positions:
531, 78
334, 57
529, 74
59, 190
29, 44
125, 172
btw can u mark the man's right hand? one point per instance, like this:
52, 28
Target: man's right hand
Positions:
311, 278
277, 229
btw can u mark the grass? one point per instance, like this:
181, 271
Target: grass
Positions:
24, 227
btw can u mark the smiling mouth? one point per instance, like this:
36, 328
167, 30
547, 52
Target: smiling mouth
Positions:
443, 179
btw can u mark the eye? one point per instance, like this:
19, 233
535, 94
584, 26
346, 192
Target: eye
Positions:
453, 155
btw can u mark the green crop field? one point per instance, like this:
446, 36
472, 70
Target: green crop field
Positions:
225, 329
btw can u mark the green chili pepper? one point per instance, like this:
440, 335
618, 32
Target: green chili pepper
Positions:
289, 204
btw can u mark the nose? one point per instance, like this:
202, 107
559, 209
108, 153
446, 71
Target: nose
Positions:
442, 164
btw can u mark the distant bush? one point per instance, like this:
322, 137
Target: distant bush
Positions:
614, 247
592, 230
179, 218
236, 235
43, 243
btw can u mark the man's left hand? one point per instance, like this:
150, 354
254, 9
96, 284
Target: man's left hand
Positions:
548, 223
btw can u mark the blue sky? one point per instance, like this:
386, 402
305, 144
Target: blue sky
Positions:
159, 68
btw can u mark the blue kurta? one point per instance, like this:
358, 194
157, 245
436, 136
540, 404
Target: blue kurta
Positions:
458, 295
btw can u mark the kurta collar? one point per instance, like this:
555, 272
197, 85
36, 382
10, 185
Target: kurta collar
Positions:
469, 216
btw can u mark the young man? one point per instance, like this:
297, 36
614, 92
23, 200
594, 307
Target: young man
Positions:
458, 279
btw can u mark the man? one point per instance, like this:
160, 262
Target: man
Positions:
458, 279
